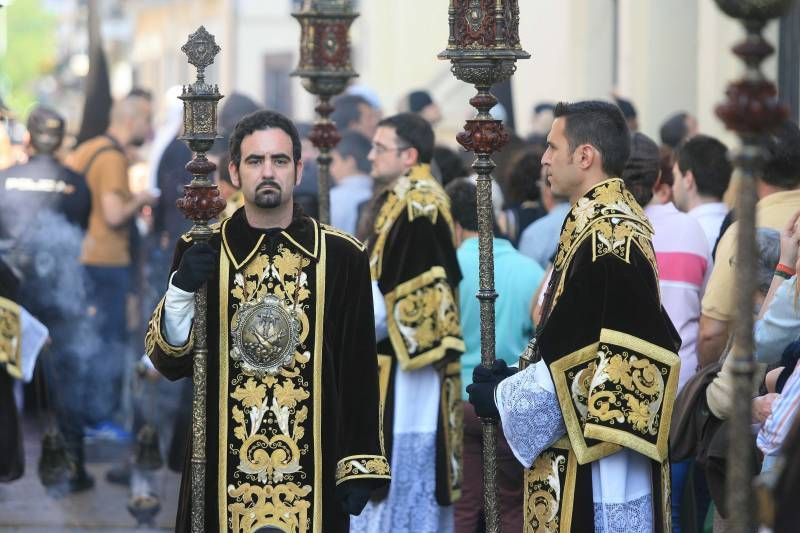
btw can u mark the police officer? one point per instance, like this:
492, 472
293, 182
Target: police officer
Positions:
43, 182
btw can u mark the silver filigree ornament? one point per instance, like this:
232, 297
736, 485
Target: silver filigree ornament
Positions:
265, 336
200, 49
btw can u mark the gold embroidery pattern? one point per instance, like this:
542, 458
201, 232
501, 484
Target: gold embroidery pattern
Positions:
632, 393
10, 337
418, 194
154, 337
423, 319
282, 506
361, 467
611, 217
550, 490
270, 412
453, 415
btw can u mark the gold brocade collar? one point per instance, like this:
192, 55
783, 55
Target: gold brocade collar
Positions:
418, 194
608, 207
241, 241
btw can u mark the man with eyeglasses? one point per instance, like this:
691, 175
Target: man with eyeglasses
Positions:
415, 277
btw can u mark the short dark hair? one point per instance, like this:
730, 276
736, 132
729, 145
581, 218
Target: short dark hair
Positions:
523, 178
414, 131
46, 128
674, 130
464, 203
450, 164
140, 92
355, 145
707, 158
263, 120
601, 125
346, 111
783, 161
642, 169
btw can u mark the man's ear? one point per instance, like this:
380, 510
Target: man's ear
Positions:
298, 173
688, 181
586, 155
233, 170
410, 157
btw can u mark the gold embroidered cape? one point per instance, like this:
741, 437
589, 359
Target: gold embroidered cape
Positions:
292, 378
612, 354
413, 259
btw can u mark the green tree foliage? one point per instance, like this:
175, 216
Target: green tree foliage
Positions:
30, 52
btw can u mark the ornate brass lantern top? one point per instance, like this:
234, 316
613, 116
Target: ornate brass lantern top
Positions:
200, 99
325, 64
484, 40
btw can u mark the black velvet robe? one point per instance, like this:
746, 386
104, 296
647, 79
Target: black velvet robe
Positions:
612, 353
12, 458
413, 259
278, 445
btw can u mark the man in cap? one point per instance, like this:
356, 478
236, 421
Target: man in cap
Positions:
42, 182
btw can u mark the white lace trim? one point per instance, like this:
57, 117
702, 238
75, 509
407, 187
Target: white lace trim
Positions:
530, 412
635, 516
411, 504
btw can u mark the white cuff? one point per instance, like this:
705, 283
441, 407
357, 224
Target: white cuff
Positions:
379, 306
178, 314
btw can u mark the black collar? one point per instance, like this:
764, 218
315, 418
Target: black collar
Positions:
241, 241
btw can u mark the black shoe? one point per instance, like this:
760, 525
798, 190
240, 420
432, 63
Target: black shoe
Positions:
80, 482
119, 474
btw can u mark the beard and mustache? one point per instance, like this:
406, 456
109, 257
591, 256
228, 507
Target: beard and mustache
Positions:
268, 194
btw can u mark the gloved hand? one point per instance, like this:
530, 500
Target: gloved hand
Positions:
197, 265
484, 383
353, 496
499, 371
481, 396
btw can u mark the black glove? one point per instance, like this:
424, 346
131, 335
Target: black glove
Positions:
484, 383
197, 266
353, 496
499, 371
481, 396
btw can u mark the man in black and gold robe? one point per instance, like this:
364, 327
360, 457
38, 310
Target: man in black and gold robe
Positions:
589, 415
415, 279
12, 458
292, 419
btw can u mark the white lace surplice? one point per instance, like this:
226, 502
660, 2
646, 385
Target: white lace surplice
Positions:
532, 422
411, 504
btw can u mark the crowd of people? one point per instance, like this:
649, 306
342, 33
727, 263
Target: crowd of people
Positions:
607, 242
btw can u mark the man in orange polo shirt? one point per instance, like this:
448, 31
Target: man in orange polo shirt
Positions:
106, 248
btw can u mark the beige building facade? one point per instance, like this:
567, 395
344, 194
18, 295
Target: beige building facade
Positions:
666, 56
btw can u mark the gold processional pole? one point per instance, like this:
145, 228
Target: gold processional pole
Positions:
483, 48
201, 202
752, 110
325, 69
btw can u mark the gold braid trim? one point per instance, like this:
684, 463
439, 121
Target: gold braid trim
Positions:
418, 194
154, 336
362, 467
330, 230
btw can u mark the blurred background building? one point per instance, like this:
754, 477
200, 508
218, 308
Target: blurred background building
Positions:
663, 56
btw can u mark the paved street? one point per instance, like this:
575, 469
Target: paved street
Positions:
26, 507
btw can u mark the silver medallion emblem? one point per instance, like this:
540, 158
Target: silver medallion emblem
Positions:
265, 336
